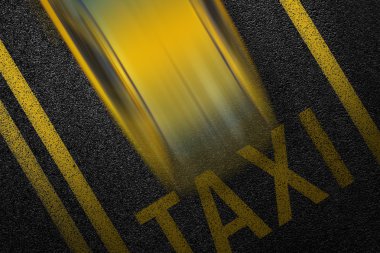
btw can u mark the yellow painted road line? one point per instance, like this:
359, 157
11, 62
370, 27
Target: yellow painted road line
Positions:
40, 183
334, 74
58, 151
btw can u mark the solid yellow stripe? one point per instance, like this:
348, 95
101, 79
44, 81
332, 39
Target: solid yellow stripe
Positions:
59, 153
40, 183
334, 74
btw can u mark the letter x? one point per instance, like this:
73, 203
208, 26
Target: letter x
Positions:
283, 176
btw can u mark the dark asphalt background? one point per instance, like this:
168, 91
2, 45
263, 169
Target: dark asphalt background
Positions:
349, 220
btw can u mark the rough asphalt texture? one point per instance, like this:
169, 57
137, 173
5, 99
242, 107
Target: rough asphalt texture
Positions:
349, 220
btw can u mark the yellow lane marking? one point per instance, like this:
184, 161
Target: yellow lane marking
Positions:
59, 153
40, 183
334, 74
326, 148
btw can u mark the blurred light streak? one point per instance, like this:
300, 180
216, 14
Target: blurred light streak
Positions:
176, 77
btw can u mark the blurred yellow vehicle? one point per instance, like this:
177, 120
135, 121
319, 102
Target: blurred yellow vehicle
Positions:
176, 77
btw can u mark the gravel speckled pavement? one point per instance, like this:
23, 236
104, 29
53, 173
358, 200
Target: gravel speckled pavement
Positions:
347, 221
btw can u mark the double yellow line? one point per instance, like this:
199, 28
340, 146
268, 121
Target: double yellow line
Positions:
40, 182
62, 159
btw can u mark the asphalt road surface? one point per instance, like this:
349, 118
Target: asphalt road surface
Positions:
347, 220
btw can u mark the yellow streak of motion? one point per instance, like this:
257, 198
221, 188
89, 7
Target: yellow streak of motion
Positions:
175, 75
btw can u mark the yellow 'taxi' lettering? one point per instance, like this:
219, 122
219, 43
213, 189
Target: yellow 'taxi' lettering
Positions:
326, 148
245, 216
159, 211
283, 176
